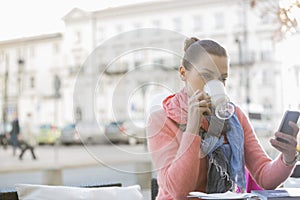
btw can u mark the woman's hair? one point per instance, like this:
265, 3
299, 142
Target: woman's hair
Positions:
194, 49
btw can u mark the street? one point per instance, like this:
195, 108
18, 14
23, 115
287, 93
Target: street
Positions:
79, 165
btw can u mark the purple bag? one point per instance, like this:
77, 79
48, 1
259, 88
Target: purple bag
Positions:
250, 184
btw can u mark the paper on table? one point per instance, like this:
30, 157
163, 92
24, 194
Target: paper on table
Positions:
226, 195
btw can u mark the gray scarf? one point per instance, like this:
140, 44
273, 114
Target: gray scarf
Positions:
226, 161
226, 164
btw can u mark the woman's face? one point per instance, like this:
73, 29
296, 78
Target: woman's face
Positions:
209, 68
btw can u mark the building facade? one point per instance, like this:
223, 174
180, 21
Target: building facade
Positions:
110, 69
28, 70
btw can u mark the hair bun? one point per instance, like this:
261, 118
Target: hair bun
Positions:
189, 41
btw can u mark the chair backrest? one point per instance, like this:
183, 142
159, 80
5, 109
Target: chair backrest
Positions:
296, 172
12, 194
8, 195
154, 188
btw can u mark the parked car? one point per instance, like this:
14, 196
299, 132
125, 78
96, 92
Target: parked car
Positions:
114, 132
129, 131
70, 135
91, 133
4, 130
48, 134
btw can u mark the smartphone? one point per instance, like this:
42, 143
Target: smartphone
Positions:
284, 125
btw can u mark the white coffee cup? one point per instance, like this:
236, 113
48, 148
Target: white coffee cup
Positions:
216, 90
224, 109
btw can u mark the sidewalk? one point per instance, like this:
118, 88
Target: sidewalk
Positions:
71, 157
47, 157
79, 157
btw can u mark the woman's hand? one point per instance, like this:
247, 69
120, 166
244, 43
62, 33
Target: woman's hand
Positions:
289, 149
198, 104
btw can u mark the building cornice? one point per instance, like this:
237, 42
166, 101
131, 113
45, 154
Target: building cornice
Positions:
31, 39
138, 8
154, 6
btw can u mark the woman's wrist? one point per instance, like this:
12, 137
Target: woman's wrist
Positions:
293, 161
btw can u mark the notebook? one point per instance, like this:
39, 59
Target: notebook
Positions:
278, 194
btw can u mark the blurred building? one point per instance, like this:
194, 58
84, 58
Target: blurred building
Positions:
255, 81
28, 69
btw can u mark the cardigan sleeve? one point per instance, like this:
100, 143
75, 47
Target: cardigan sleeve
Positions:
268, 173
176, 161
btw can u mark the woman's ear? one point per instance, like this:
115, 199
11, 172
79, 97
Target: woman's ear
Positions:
182, 73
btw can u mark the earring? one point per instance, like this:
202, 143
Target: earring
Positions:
183, 78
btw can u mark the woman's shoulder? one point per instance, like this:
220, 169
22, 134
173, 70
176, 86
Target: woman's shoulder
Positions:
157, 116
159, 122
240, 113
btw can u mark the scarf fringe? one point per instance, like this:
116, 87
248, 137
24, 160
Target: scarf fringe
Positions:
223, 174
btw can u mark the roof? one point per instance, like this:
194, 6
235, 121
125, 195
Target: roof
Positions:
31, 39
79, 14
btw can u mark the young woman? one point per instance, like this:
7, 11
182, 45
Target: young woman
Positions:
178, 133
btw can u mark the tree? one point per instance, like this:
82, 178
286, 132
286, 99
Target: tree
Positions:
285, 13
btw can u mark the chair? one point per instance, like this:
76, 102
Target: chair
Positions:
296, 172
154, 188
12, 194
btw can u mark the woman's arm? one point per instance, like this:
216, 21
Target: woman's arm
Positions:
174, 154
267, 173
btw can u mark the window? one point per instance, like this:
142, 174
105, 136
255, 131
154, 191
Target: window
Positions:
156, 23
137, 64
267, 47
266, 55
56, 48
158, 61
239, 18
77, 37
198, 23
297, 75
219, 20
139, 56
266, 19
267, 104
32, 51
78, 114
119, 28
2, 56
124, 66
177, 24
101, 33
136, 25
256, 116
32, 82
267, 77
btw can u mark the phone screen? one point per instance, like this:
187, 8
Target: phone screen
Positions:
284, 126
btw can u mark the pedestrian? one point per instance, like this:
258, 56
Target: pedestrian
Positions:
191, 153
28, 138
14, 133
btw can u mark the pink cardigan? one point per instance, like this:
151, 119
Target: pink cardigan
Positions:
175, 154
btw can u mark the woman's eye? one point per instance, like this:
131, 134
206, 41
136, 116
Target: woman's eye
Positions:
223, 80
207, 76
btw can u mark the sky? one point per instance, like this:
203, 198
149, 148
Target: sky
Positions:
21, 18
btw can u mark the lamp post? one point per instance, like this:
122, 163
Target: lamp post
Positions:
57, 95
4, 107
244, 60
21, 63
144, 90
